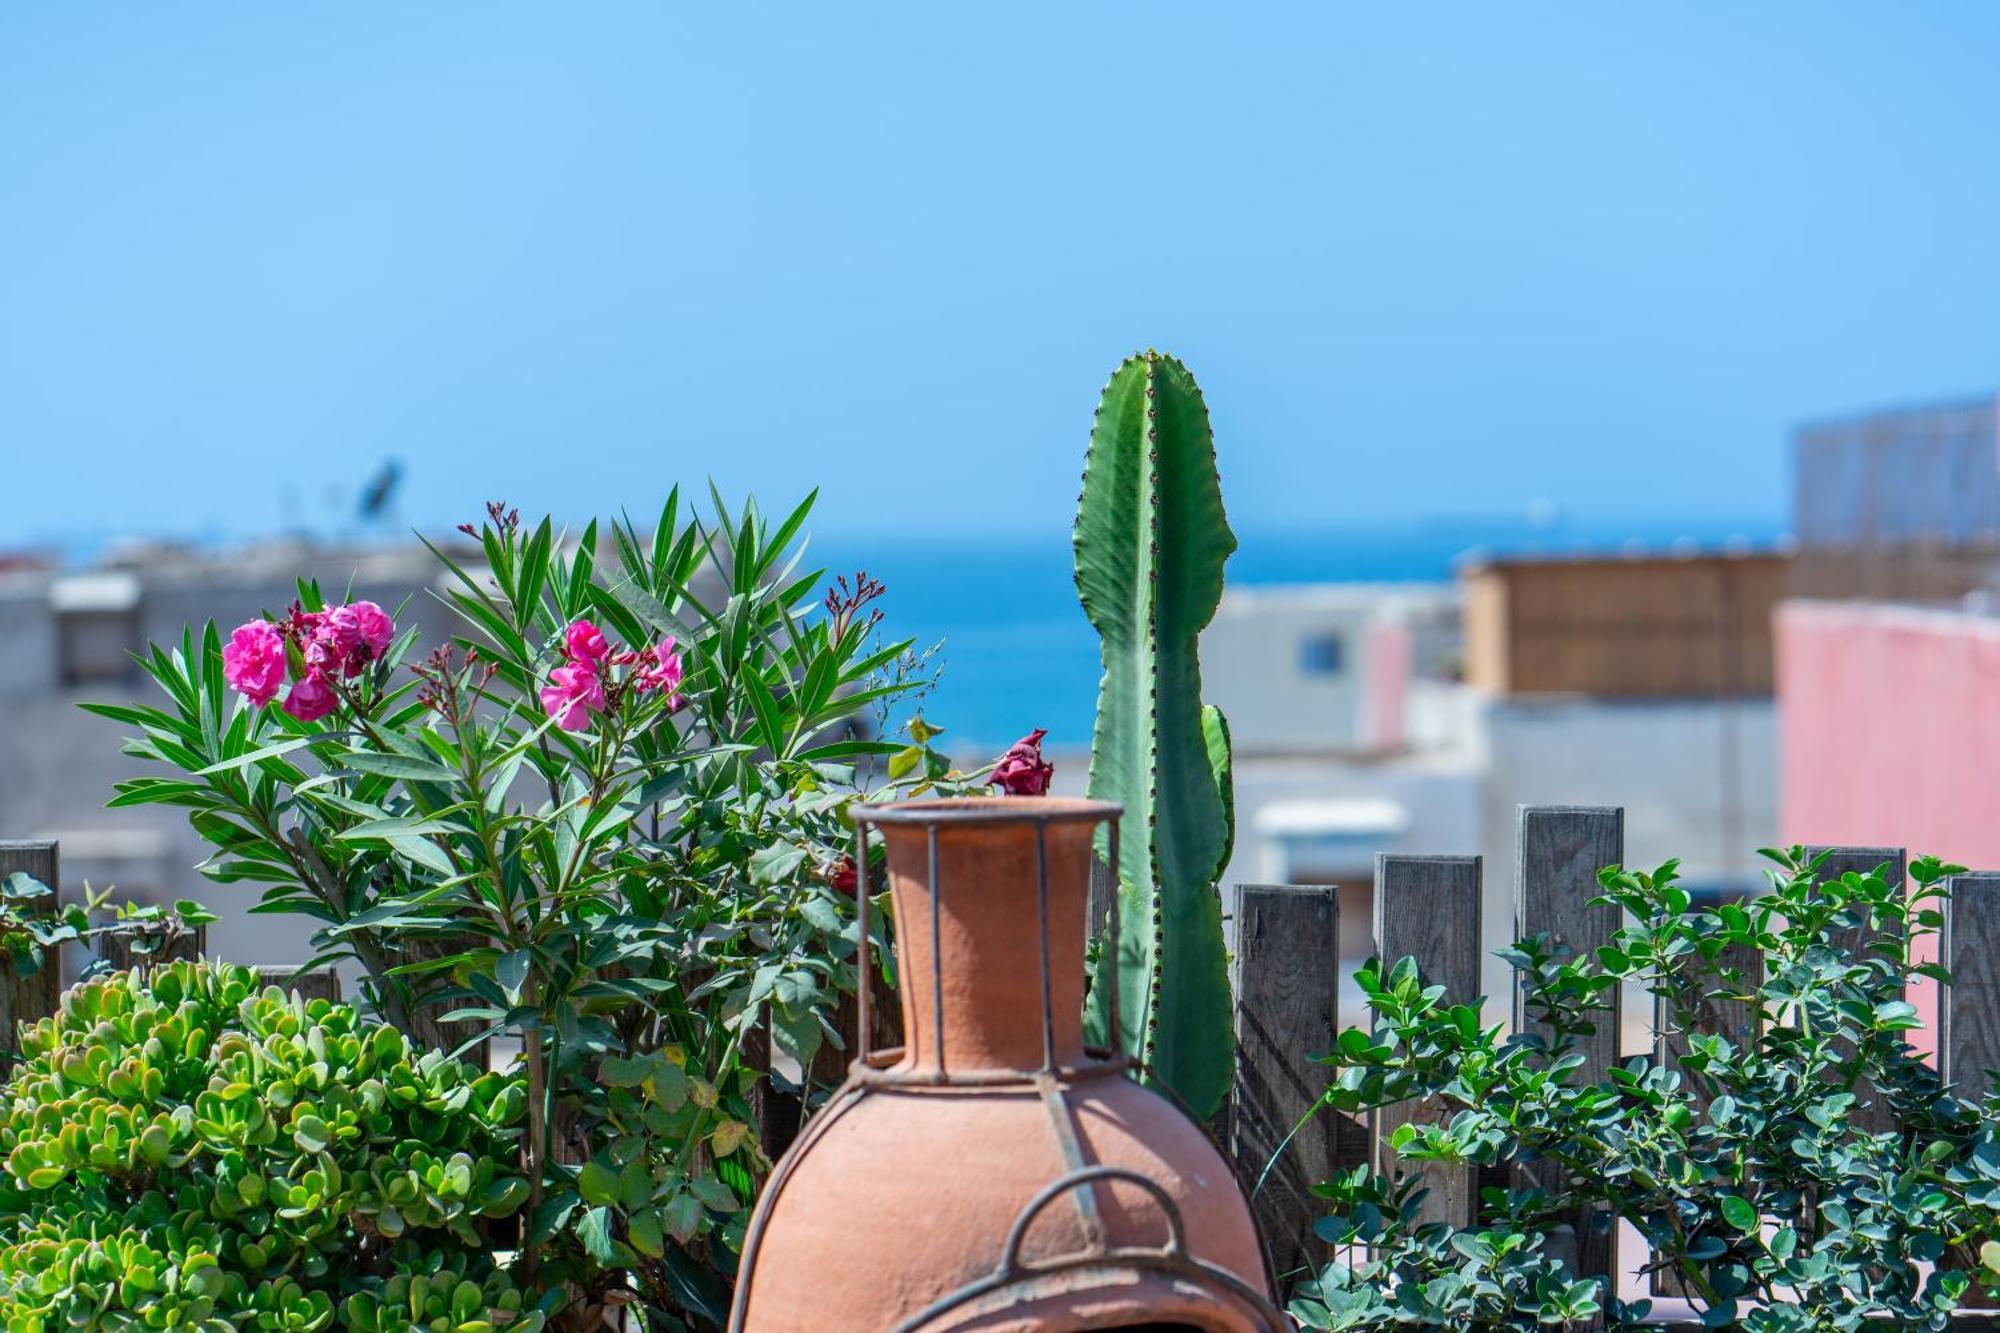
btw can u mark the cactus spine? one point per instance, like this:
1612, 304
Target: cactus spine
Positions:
1151, 539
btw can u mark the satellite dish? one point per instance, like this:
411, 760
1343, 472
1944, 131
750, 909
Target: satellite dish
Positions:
380, 491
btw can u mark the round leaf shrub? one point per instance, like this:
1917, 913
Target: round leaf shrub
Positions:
206, 1152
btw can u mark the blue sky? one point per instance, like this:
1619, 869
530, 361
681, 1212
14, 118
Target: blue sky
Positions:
1427, 260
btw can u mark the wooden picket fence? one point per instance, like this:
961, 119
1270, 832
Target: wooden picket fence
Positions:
1288, 974
1289, 970
30, 999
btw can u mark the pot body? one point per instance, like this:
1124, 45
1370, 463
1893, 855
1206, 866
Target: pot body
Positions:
895, 1208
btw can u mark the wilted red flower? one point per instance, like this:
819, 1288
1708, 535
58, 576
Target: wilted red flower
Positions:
658, 668
842, 877
1022, 771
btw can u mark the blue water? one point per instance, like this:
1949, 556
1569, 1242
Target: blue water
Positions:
1017, 653
1014, 651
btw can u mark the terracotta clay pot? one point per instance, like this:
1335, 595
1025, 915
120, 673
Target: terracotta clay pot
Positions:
993, 1174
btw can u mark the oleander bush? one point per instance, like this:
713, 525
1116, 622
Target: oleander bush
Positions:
604, 820
1810, 1173
201, 1151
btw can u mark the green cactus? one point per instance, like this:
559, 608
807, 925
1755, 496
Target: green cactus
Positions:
1151, 539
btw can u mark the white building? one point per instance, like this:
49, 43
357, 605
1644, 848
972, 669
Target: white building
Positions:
69, 637
1420, 718
1351, 734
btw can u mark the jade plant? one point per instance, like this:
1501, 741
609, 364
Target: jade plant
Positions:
199, 1150
1762, 1191
1151, 539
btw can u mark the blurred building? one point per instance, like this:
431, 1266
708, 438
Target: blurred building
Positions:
1642, 681
1889, 658
1891, 727
1899, 505
70, 636
1419, 718
1350, 733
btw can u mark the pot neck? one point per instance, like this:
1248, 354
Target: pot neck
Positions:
990, 915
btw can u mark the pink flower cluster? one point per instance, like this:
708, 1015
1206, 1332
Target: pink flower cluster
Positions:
332, 645
583, 685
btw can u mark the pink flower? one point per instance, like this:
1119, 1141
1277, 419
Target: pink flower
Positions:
1022, 771
586, 643
311, 698
359, 632
574, 692
253, 661
659, 668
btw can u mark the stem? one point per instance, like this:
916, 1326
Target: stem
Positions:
533, 1144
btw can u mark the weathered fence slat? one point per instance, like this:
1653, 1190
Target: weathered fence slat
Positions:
319, 983
782, 1114
29, 999
427, 1012
115, 947
1287, 976
1561, 850
1861, 861
1715, 1015
1968, 1040
1427, 908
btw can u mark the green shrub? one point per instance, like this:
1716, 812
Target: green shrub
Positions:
204, 1152
1747, 1165
605, 819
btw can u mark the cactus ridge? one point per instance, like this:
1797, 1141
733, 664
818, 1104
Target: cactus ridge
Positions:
1151, 538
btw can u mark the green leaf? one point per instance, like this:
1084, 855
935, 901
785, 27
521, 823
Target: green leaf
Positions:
385, 829
682, 1214
776, 863
20, 886
512, 970
1739, 1212
256, 756
646, 1233
423, 851
597, 1183
1221, 763
311, 1134
621, 1072
595, 1233
1897, 1015
407, 767
712, 1192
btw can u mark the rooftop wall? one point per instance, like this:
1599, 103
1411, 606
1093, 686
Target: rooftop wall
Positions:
1889, 729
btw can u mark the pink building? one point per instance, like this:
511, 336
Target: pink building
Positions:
1889, 728
1889, 735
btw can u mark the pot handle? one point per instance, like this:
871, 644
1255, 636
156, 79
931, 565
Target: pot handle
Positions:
1011, 1265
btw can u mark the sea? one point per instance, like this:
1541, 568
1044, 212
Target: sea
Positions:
1012, 651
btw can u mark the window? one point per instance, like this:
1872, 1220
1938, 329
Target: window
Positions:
1322, 655
97, 626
